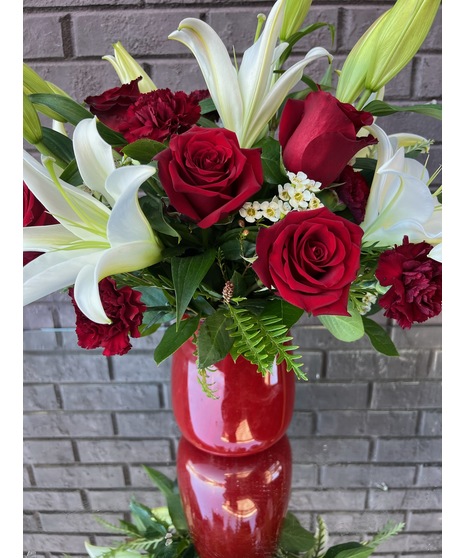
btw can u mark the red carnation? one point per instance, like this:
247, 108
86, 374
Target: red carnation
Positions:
34, 215
159, 114
111, 106
354, 192
125, 309
416, 283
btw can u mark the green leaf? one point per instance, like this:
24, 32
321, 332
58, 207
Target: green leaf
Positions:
142, 517
153, 297
161, 481
177, 513
71, 174
207, 105
113, 138
174, 337
350, 550
380, 108
69, 109
58, 144
188, 273
101, 551
379, 337
294, 537
153, 210
214, 341
344, 328
143, 150
273, 171
286, 312
206, 123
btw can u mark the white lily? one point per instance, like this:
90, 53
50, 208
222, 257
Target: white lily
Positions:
91, 241
400, 202
246, 99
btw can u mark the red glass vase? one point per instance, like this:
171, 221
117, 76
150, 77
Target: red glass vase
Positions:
235, 507
250, 411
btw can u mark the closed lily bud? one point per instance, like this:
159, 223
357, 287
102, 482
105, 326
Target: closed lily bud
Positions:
128, 69
295, 13
33, 83
32, 129
386, 47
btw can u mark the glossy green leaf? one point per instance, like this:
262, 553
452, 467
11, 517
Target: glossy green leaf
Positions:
174, 337
214, 341
345, 328
293, 537
161, 481
273, 171
288, 313
379, 337
58, 144
380, 108
69, 109
143, 150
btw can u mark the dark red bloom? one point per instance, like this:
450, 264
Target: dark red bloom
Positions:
160, 114
207, 175
111, 106
354, 192
34, 215
319, 135
311, 258
416, 283
125, 309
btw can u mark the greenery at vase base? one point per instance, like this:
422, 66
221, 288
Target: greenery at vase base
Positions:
163, 533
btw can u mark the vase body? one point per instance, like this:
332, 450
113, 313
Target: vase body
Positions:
235, 507
249, 414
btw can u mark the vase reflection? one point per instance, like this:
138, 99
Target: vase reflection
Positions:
235, 506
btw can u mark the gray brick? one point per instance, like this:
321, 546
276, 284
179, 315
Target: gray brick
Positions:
414, 450
63, 501
331, 396
431, 423
429, 82
329, 450
424, 521
366, 423
410, 499
427, 336
368, 476
113, 397
54, 543
76, 3
328, 500
356, 21
350, 365
39, 341
63, 424
424, 542
118, 500
142, 425
359, 522
302, 424
64, 367
76, 522
407, 395
141, 367
39, 398
430, 475
30, 522
124, 451
177, 74
48, 451
140, 479
314, 338
42, 36
304, 475
142, 32
38, 315
79, 476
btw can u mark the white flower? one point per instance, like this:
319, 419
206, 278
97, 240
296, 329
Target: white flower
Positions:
314, 202
301, 179
251, 211
92, 241
283, 191
271, 210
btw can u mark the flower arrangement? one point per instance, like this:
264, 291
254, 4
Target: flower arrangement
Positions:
229, 212
163, 532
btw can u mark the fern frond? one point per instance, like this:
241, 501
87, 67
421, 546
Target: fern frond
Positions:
123, 528
202, 377
388, 531
261, 340
321, 539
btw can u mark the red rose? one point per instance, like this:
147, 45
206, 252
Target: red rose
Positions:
34, 215
354, 192
111, 106
416, 283
311, 258
206, 174
159, 114
319, 135
124, 308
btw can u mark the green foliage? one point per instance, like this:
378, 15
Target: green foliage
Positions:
163, 533
380, 108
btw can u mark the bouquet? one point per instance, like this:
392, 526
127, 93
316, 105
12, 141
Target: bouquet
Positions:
230, 212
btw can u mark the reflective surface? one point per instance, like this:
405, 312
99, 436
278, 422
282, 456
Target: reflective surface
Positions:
235, 506
223, 426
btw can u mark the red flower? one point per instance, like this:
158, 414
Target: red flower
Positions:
416, 283
111, 106
319, 135
34, 215
311, 258
353, 192
207, 176
125, 309
159, 114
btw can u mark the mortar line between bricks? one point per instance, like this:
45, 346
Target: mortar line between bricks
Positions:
58, 396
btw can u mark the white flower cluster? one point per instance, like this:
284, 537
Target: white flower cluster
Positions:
296, 195
367, 301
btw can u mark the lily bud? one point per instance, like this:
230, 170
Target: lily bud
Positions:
33, 83
32, 129
295, 13
128, 69
386, 47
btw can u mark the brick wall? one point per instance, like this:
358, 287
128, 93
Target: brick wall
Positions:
366, 433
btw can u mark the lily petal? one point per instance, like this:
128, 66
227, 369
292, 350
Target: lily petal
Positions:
47, 238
